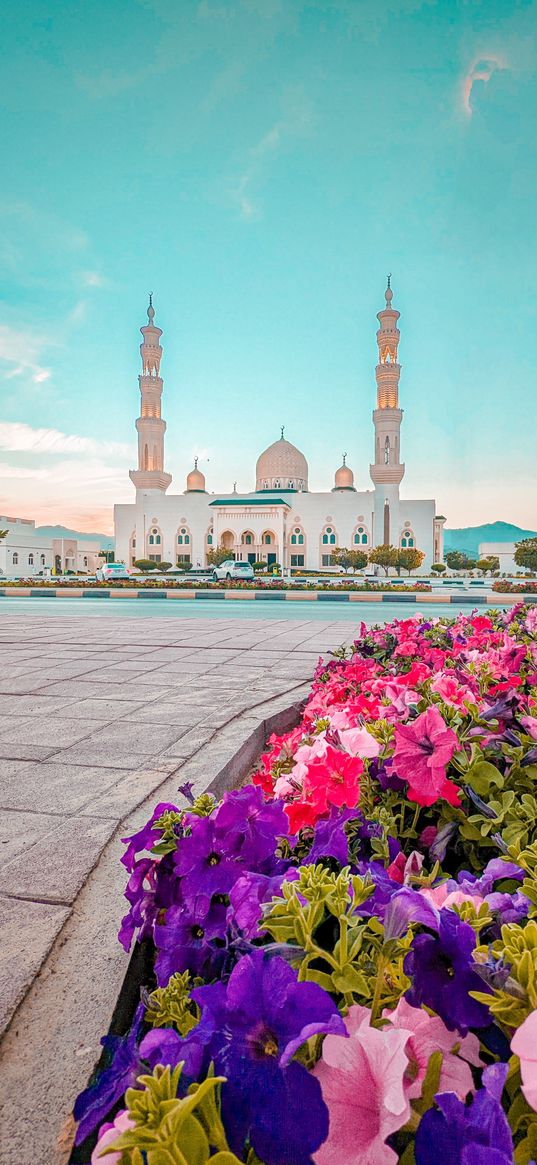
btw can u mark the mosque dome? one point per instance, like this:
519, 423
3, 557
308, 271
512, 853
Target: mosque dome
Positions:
344, 477
281, 466
195, 482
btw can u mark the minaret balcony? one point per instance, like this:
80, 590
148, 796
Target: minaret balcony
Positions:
387, 474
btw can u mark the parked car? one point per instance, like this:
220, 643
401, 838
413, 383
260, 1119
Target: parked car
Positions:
111, 570
231, 569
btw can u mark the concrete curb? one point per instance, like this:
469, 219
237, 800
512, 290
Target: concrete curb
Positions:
457, 599
52, 1043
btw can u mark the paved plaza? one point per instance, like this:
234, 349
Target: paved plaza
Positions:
99, 719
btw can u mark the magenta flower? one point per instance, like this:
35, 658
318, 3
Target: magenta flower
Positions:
423, 749
524, 1045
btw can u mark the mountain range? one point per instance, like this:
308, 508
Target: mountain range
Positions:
468, 538
106, 542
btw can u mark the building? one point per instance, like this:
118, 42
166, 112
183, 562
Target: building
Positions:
24, 552
504, 552
281, 520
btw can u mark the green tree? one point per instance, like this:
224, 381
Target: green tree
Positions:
146, 564
108, 555
409, 558
439, 567
356, 559
385, 556
491, 563
3, 534
217, 555
458, 560
162, 566
526, 554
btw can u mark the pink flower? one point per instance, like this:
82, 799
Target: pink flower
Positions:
451, 692
524, 1045
423, 748
362, 1081
359, 742
429, 1034
109, 1133
531, 620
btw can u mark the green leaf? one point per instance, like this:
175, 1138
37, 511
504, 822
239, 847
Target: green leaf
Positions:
482, 775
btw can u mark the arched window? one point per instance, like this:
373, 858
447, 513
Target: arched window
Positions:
43, 560
15, 558
154, 537
210, 538
297, 537
407, 539
277, 483
361, 536
387, 451
145, 462
85, 562
329, 537
247, 538
183, 537
30, 560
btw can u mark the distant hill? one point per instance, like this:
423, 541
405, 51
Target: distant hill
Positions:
106, 542
468, 538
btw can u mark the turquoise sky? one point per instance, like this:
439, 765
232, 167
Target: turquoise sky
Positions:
260, 165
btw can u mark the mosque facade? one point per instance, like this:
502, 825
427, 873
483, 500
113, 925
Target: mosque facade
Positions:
281, 520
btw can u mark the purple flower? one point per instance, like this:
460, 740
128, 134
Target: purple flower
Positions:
443, 973
261, 1020
203, 862
93, 1105
146, 837
474, 1134
330, 839
408, 906
246, 898
186, 940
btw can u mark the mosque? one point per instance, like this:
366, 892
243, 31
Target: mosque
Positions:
281, 520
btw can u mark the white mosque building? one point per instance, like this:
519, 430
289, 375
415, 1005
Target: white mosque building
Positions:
281, 520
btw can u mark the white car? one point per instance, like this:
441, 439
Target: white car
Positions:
111, 570
231, 569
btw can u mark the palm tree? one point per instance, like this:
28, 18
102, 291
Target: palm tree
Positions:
3, 534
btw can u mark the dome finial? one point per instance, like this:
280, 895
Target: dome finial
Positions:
388, 294
195, 463
344, 455
150, 310
282, 432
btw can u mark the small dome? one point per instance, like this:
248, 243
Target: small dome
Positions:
195, 482
344, 476
281, 466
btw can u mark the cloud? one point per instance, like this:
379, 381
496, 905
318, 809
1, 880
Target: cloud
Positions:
21, 348
295, 122
18, 437
93, 279
481, 71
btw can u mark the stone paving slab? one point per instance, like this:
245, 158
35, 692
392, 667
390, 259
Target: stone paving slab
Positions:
27, 930
95, 715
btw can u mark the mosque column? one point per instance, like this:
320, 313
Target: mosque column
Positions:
387, 470
149, 477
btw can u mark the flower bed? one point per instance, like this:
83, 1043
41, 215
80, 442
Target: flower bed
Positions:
503, 586
193, 583
345, 950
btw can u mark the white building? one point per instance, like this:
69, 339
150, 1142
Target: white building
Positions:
24, 552
504, 552
281, 520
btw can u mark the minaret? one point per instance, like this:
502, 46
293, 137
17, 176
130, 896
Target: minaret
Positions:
150, 477
387, 471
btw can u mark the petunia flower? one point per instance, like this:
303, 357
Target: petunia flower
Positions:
473, 1134
524, 1045
442, 972
423, 749
429, 1034
359, 742
185, 940
261, 1019
108, 1133
95, 1102
362, 1081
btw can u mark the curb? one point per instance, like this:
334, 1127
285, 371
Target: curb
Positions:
416, 597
